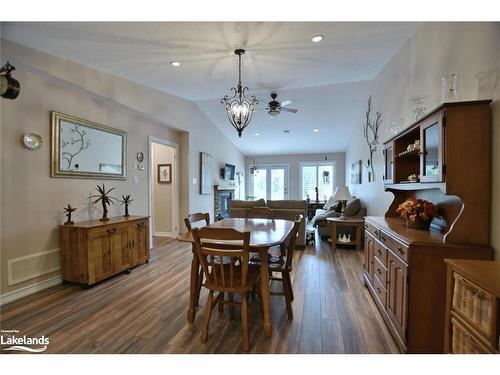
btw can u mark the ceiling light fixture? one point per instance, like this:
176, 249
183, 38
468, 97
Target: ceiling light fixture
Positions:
315, 130
286, 131
317, 38
175, 63
239, 108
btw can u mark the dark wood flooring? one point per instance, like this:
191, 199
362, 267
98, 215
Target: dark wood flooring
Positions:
145, 311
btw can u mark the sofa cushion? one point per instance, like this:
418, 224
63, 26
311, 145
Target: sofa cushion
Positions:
287, 204
352, 207
246, 204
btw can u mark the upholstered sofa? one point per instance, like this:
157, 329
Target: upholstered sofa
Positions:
283, 209
353, 209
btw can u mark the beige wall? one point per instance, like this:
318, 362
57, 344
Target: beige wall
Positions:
293, 162
162, 193
32, 201
435, 50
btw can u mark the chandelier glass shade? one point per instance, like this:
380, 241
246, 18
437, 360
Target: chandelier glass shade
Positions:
239, 108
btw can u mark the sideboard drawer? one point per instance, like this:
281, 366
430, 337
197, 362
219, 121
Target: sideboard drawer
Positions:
395, 246
380, 271
372, 230
380, 252
474, 304
380, 290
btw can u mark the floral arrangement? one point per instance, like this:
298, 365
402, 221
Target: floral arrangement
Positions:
418, 213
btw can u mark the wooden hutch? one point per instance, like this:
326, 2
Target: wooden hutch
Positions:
404, 268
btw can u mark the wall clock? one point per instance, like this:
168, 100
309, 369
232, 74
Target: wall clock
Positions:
9, 87
140, 157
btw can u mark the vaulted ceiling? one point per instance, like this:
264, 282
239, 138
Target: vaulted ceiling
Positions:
326, 81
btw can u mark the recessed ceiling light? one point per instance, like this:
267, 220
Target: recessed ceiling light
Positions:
175, 63
257, 134
317, 38
315, 130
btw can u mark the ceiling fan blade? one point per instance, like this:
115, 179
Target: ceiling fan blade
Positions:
285, 102
290, 110
262, 109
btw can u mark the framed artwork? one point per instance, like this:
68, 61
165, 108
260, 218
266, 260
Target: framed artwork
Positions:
205, 173
356, 172
164, 173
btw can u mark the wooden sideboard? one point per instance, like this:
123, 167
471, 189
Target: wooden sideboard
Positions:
472, 322
404, 268
94, 250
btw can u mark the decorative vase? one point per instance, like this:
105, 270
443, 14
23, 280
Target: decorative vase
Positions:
419, 224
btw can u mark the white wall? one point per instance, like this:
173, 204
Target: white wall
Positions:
293, 162
32, 201
162, 192
436, 49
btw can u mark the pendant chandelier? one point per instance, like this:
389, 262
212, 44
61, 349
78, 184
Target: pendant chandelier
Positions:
239, 108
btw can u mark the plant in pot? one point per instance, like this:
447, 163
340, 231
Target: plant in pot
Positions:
418, 213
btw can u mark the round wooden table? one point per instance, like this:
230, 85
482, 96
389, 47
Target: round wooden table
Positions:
264, 233
357, 223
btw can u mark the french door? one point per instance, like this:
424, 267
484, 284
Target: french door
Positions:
270, 182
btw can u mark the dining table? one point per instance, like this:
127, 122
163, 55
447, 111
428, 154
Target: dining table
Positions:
264, 234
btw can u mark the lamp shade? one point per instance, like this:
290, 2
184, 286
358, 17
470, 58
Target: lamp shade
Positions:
342, 194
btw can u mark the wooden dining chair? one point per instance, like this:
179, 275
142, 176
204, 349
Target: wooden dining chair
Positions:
195, 218
214, 246
283, 265
259, 213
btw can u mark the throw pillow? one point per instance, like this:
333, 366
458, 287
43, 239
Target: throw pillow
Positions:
352, 207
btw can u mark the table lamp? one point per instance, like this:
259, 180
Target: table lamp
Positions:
342, 194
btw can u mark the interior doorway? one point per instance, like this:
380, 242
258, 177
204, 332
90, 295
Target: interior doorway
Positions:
163, 189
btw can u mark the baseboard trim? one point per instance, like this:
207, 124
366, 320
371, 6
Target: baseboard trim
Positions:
30, 289
163, 234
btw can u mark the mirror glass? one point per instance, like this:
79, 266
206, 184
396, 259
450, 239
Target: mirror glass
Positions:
84, 149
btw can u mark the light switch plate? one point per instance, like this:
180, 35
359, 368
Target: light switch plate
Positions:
136, 179
194, 180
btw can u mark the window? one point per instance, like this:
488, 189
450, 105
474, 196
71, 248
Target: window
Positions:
318, 175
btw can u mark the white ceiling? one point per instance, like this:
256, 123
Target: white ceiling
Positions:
280, 56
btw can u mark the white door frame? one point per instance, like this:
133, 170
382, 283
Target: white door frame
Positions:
175, 192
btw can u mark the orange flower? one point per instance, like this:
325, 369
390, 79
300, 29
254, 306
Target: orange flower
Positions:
414, 209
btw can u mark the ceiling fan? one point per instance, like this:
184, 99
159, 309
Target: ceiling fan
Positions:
274, 107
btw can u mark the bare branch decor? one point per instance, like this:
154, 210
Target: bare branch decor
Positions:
370, 132
80, 142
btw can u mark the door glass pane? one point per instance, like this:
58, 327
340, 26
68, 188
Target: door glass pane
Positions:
309, 182
259, 184
277, 184
431, 142
388, 163
325, 181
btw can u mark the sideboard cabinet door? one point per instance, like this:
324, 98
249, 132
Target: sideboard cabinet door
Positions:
397, 300
369, 253
140, 243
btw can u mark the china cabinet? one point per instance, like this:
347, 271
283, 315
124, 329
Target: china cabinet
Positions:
404, 268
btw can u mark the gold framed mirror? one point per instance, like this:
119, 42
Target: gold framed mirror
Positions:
85, 149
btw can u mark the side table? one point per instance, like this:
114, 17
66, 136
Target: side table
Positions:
357, 223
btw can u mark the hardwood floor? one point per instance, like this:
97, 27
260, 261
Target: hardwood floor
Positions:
145, 311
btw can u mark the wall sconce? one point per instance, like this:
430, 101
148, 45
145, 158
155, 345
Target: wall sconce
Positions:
9, 87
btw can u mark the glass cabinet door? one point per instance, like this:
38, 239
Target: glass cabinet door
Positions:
388, 163
431, 166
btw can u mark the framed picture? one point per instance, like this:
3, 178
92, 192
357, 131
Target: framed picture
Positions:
356, 172
164, 173
205, 173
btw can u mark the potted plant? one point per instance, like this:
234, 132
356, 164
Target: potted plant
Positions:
418, 213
